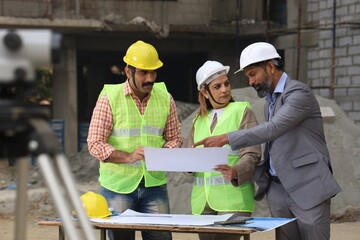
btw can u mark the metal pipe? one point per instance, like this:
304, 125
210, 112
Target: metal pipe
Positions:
298, 42
77, 8
68, 180
337, 86
237, 47
333, 57
22, 165
267, 19
54, 186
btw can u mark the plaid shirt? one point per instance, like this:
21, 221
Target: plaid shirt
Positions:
101, 125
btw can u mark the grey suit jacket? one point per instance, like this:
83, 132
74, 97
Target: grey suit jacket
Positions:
298, 147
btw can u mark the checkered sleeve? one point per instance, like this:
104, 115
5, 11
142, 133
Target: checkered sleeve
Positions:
172, 131
100, 129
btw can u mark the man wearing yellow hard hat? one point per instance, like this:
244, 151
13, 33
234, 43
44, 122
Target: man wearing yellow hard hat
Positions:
126, 118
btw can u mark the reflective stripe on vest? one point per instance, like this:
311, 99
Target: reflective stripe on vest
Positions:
135, 132
211, 181
136, 164
126, 132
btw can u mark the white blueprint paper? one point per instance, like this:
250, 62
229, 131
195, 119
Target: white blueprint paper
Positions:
185, 159
133, 217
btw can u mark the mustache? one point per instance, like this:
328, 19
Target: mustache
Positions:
147, 84
257, 85
261, 89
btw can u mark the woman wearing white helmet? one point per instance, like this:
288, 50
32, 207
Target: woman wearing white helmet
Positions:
230, 190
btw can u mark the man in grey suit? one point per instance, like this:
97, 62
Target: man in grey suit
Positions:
295, 174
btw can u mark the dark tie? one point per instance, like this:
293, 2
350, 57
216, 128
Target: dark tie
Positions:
213, 123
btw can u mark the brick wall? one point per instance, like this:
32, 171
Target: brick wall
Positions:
347, 53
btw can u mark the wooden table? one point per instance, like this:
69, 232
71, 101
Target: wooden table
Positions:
223, 229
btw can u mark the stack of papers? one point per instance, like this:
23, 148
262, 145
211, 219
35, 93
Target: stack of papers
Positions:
133, 217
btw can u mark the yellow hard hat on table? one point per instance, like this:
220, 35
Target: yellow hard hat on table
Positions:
95, 205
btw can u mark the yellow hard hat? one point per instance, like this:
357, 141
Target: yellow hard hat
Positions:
142, 55
95, 205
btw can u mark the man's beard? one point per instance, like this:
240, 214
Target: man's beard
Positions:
263, 88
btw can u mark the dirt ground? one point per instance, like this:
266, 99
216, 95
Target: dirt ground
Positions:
339, 231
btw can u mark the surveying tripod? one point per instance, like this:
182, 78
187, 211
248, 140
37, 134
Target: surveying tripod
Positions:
24, 130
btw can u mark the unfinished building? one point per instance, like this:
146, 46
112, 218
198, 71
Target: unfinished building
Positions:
319, 41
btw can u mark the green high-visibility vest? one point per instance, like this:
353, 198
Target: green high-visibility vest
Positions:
211, 187
131, 130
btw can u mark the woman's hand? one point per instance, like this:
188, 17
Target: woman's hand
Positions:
228, 172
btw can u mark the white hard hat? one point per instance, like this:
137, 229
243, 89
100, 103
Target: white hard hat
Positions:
209, 71
257, 52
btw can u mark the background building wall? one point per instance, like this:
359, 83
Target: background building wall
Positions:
345, 42
187, 33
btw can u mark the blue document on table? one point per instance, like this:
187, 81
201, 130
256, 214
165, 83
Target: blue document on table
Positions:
264, 224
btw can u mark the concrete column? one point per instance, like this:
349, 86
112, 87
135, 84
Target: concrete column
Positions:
65, 95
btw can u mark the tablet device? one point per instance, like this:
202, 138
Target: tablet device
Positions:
241, 220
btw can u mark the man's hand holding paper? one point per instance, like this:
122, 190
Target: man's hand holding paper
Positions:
214, 141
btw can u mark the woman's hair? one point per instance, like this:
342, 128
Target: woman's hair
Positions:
204, 104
